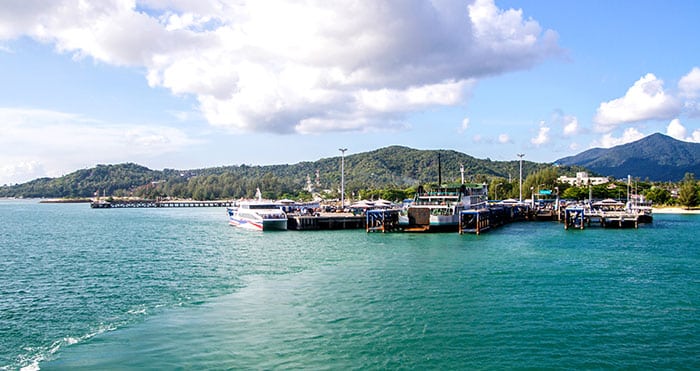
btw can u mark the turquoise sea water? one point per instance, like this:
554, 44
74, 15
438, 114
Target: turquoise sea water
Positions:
180, 289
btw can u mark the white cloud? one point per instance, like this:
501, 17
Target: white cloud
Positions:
281, 66
645, 100
689, 89
676, 130
689, 85
504, 138
18, 171
59, 141
464, 126
608, 140
571, 126
542, 135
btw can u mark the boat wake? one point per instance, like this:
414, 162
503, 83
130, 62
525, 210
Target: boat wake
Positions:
31, 360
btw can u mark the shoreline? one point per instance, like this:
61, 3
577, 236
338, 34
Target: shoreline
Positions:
675, 210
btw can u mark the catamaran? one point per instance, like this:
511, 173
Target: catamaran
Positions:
258, 215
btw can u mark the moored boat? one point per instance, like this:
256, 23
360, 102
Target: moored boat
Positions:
642, 208
258, 215
439, 209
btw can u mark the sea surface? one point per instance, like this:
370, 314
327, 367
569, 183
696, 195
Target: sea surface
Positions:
84, 289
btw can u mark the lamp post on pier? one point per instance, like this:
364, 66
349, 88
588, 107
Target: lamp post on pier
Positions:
342, 178
521, 155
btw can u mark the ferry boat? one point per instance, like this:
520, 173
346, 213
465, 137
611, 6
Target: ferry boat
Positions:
439, 208
258, 215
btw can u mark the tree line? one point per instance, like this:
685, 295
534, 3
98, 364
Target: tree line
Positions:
391, 173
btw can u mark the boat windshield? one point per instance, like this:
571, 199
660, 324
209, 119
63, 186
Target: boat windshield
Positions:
261, 206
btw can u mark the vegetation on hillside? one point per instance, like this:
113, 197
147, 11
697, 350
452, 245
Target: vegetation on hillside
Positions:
390, 173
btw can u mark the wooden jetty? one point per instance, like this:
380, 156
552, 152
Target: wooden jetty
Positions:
146, 203
324, 222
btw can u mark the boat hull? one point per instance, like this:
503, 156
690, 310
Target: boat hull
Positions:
646, 218
266, 225
256, 222
446, 223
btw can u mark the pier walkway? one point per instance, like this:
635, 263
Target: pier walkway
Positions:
580, 217
145, 203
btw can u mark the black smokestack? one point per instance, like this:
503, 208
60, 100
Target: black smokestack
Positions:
439, 171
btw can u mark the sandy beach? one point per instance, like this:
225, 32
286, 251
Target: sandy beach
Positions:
675, 210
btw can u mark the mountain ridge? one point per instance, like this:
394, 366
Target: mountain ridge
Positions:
656, 157
388, 167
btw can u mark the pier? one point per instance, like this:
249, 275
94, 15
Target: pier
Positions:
474, 221
146, 203
574, 217
382, 220
324, 222
482, 220
579, 218
606, 213
614, 219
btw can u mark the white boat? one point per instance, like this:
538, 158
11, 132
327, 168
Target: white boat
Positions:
439, 209
643, 209
258, 215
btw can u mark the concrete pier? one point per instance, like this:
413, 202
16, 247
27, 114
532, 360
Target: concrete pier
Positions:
328, 221
382, 220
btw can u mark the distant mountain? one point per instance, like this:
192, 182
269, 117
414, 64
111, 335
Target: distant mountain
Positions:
657, 157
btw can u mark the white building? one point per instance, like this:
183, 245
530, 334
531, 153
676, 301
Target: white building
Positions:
582, 179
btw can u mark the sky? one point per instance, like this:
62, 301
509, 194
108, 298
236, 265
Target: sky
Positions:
186, 84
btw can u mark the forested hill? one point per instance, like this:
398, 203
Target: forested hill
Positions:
390, 167
656, 157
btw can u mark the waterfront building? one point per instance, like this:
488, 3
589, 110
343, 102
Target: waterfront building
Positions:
582, 179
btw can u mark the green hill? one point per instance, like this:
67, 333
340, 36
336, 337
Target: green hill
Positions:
390, 167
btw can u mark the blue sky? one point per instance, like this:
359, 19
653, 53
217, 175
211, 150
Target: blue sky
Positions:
197, 83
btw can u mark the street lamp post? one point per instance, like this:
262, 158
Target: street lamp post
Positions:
342, 178
521, 155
